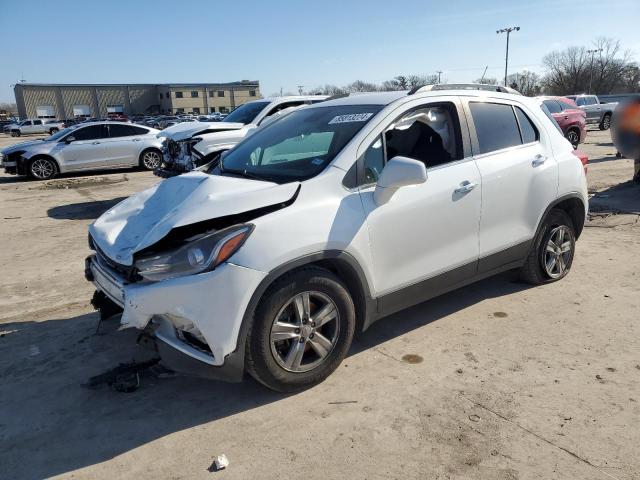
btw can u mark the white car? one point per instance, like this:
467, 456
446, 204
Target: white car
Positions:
190, 146
87, 146
333, 217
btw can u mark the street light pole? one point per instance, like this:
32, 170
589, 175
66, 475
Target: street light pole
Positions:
592, 52
506, 58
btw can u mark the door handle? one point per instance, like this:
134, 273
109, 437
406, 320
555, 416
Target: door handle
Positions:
135, 140
95, 143
465, 187
538, 160
566, 117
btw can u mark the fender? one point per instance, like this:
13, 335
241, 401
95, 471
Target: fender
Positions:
366, 304
557, 201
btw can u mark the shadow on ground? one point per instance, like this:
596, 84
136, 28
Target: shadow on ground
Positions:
83, 210
51, 425
621, 198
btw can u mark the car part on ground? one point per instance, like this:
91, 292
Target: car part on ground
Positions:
306, 231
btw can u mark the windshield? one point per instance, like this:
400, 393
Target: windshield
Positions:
58, 135
298, 146
246, 113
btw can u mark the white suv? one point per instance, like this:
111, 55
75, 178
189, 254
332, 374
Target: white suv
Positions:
333, 217
187, 146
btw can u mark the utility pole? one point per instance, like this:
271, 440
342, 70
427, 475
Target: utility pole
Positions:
280, 91
300, 87
592, 52
506, 58
439, 72
483, 74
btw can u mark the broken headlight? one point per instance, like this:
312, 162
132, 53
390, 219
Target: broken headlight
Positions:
199, 254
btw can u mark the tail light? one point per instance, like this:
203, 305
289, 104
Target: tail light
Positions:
584, 159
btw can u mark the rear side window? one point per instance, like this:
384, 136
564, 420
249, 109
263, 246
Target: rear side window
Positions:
117, 130
528, 131
553, 106
92, 132
496, 126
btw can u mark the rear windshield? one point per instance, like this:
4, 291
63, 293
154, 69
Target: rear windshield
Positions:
297, 146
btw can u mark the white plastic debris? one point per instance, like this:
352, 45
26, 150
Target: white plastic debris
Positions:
221, 462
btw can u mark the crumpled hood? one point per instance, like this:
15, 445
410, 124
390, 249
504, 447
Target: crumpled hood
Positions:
146, 217
185, 130
21, 146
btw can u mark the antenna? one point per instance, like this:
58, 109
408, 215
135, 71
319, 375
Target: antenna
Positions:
484, 73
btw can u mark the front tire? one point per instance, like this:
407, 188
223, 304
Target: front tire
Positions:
15, 133
150, 159
52, 131
551, 255
302, 330
42, 168
605, 124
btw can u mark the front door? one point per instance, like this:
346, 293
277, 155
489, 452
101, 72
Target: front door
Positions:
426, 236
86, 151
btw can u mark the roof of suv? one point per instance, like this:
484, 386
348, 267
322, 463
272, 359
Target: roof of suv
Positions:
385, 98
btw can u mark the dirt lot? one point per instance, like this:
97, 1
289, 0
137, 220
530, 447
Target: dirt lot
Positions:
495, 381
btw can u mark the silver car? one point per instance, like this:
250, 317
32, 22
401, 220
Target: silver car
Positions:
88, 146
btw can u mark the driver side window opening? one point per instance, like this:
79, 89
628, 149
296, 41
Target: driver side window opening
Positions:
429, 134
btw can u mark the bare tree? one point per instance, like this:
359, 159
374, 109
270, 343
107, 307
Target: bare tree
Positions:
574, 69
486, 81
360, 86
8, 107
526, 82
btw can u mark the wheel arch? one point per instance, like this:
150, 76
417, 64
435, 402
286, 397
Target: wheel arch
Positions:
28, 161
574, 206
338, 262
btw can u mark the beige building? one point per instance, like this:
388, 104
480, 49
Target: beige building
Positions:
36, 100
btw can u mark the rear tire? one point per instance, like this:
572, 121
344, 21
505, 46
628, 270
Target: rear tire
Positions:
52, 131
15, 133
552, 252
605, 124
150, 159
302, 330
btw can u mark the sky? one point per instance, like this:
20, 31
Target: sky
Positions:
284, 44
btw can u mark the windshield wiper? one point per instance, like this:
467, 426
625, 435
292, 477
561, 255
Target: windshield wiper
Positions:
243, 173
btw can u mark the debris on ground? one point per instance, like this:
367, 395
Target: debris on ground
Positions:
124, 378
219, 463
342, 402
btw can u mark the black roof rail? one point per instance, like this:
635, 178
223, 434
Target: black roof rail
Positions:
336, 96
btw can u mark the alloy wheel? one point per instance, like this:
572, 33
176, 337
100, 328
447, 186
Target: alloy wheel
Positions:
558, 252
42, 169
606, 122
151, 160
305, 331
572, 136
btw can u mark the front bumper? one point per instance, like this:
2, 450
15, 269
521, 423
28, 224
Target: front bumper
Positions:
211, 305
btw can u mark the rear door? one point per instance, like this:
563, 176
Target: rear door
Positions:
87, 151
519, 178
123, 145
592, 108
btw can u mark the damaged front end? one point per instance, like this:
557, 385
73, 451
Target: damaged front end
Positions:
166, 268
178, 157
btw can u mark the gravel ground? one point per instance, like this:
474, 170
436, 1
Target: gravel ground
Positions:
494, 381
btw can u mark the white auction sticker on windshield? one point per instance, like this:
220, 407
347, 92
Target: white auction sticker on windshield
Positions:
351, 117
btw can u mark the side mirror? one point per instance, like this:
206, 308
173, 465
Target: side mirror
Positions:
399, 172
70, 139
